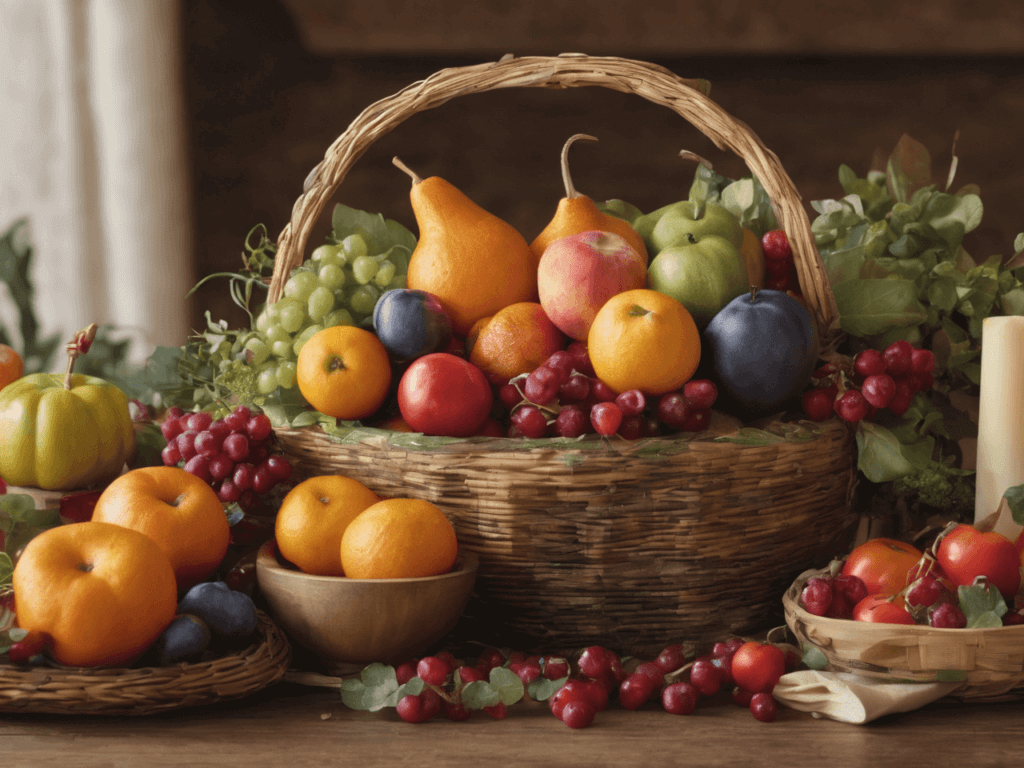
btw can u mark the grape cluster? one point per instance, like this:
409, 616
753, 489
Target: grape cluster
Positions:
232, 454
338, 285
563, 398
879, 379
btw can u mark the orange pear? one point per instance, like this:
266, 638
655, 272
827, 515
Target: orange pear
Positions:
472, 261
578, 213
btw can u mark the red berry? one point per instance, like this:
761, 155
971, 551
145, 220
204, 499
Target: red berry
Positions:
219, 428
776, 268
851, 406
510, 396
562, 362
228, 492
220, 466
528, 670
1013, 619
170, 455
174, 412
778, 283
498, 711
406, 671
258, 428
606, 418
741, 697
705, 677
575, 389
763, 707
922, 361
599, 663
901, 401
200, 467
635, 690
573, 690
263, 480
198, 422
580, 358
530, 421
171, 428
897, 357
671, 658
853, 587
879, 389
578, 714
555, 667
700, 393
572, 421
869, 363
697, 420
541, 387
470, 674
841, 606
489, 659
633, 428
243, 476
432, 670
457, 712
30, 646
679, 698
673, 410
776, 245
236, 446
818, 403
947, 616
918, 382
279, 467
601, 392
186, 444
631, 402
653, 671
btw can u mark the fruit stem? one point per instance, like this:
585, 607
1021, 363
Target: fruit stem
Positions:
416, 179
76, 347
753, 293
570, 189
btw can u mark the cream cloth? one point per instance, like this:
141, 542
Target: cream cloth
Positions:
849, 698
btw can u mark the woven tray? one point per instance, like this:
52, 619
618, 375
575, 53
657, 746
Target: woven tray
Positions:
627, 544
989, 661
146, 690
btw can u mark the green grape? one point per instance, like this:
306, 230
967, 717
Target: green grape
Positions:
326, 254
282, 349
293, 317
266, 318
385, 274
364, 299
267, 381
339, 317
364, 268
259, 350
305, 336
300, 285
331, 276
276, 332
286, 375
354, 247
320, 302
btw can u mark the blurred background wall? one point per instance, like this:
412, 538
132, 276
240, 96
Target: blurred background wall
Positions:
254, 91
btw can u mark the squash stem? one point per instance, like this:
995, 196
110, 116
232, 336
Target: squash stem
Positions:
76, 347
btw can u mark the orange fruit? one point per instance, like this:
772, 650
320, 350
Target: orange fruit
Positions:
644, 340
176, 509
313, 517
345, 372
474, 332
753, 256
516, 340
102, 592
399, 539
11, 365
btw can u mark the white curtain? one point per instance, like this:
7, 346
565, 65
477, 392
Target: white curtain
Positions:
93, 153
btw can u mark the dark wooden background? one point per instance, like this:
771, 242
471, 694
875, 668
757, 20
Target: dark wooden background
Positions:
271, 83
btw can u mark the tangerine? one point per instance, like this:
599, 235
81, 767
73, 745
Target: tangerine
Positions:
516, 340
12, 367
102, 592
345, 372
176, 509
399, 539
646, 340
313, 517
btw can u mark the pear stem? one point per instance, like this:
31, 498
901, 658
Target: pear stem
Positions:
77, 347
570, 189
416, 179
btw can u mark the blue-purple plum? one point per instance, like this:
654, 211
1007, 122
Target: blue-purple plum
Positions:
230, 615
411, 323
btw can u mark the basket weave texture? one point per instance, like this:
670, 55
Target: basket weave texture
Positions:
989, 661
147, 690
629, 545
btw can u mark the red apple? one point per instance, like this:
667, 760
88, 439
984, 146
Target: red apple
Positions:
966, 553
579, 273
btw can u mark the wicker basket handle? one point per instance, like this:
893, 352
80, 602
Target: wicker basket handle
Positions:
652, 82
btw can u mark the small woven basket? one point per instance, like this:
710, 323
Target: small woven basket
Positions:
146, 690
989, 662
630, 545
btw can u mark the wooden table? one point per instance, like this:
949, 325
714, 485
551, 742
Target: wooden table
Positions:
295, 726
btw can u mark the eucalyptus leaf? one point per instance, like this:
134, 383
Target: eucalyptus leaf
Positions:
982, 605
543, 689
508, 684
479, 694
1014, 496
868, 307
814, 657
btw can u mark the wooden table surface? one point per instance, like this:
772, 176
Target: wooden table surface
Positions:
296, 726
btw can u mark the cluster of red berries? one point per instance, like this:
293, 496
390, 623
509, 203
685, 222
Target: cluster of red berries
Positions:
779, 265
563, 398
597, 676
232, 454
833, 596
879, 379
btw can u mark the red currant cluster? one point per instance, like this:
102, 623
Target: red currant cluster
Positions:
232, 454
586, 686
833, 596
779, 266
562, 398
879, 379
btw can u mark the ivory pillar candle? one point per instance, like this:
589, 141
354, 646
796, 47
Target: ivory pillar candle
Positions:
1000, 418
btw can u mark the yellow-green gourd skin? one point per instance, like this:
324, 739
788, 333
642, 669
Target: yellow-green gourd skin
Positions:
63, 439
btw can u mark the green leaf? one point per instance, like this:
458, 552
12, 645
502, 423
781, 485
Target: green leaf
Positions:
508, 684
869, 307
880, 454
814, 657
919, 453
952, 217
1018, 243
543, 689
6, 568
480, 694
379, 233
1015, 499
352, 693
951, 675
909, 169
381, 687
982, 604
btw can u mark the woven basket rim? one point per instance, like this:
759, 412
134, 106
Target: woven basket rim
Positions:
147, 690
652, 82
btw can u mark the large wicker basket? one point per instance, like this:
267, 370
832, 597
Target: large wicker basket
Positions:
633, 545
147, 690
989, 662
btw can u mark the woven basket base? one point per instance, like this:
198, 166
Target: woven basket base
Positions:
147, 690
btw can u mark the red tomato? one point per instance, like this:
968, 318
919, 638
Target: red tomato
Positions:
966, 553
880, 609
441, 394
757, 667
882, 564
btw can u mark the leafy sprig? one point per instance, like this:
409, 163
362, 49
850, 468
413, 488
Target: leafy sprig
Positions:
20, 521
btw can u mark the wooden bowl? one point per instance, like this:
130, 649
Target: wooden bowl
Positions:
346, 622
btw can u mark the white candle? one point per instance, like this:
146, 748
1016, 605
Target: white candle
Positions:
1000, 418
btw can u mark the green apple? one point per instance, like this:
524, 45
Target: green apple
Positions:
701, 273
687, 218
